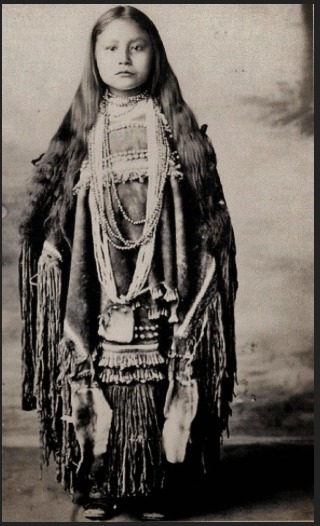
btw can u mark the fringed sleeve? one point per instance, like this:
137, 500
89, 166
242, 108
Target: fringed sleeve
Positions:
42, 309
28, 263
202, 365
211, 334
49, 333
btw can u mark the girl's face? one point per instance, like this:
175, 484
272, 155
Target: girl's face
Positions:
124, 57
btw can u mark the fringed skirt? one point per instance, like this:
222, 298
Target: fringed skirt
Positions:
134, 458
134, 381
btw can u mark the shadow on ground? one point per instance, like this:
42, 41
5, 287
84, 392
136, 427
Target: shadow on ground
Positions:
251, 474
272, 481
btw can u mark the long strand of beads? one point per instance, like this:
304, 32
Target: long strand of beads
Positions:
105, 225
122, 210
130, 155
159, 191
120, 126
154, 216
128, 110
177, 167
128, 244
158, 169
120, 206
99, 203
99, 197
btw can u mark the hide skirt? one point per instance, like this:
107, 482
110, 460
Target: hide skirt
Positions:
133, 378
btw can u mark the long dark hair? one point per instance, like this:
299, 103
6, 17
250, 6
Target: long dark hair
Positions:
57, 170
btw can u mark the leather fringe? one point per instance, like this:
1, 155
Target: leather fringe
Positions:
67, 455
210, 351
207, 355
138, 358
28, 301
143, 376
40, 281
49, 333
135, 454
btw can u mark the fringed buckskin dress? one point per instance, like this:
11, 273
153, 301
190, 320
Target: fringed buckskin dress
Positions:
128, 344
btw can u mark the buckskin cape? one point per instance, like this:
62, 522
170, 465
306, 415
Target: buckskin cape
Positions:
58, 341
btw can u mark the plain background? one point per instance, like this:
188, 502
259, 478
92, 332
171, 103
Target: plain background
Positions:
245, 71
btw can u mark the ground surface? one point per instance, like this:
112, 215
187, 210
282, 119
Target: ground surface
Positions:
270, 481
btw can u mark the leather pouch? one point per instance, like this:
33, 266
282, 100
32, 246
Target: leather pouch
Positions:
117, 324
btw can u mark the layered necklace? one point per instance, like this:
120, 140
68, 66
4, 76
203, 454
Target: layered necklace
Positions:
125, 104
105, 229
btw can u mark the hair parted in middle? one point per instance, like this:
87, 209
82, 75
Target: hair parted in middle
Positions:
57, 170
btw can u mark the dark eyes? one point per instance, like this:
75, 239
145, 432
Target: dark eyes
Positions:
137, 47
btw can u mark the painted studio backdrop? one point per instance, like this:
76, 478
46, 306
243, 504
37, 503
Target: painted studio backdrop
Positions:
246, 71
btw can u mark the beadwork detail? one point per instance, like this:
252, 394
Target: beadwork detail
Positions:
122, 210
130, 155
105, 228
129, 103
111, 229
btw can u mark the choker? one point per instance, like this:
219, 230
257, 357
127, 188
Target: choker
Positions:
124, 102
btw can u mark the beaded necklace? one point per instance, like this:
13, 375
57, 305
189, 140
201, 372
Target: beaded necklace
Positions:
124, 101
120, 206
105, 230
129, 103
157, 177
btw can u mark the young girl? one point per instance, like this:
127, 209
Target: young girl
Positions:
128, 280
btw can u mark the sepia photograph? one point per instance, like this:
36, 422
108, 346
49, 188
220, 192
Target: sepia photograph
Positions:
157, 263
